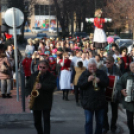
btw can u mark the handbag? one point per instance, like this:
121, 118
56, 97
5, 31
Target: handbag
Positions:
5, 69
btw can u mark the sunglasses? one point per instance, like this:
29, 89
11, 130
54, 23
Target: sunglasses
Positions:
108, 63
42, 67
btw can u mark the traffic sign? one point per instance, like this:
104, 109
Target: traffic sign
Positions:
19, 17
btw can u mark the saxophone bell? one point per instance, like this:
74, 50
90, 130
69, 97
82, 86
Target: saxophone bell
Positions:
35, 93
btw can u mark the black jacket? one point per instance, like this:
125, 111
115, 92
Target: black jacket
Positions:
44, 100
91, 99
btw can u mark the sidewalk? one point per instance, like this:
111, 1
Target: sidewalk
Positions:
64, 113
11, 105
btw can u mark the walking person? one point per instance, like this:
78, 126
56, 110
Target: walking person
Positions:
76, 73
43, 102
92, 84
65, 76
5, 73
127, 104
112, 70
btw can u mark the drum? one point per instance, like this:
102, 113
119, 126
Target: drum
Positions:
111, 87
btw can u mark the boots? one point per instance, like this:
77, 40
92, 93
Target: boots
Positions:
3, 96
63, 95
66, 95
9, 96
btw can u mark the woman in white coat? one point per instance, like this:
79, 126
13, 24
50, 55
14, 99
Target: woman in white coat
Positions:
65, 75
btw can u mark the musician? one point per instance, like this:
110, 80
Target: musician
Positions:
43, 102
112, 70
93, 100
129, 106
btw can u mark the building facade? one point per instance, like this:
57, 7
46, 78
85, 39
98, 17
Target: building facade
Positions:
42, 13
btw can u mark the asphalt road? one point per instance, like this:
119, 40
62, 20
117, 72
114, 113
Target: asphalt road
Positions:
66, 118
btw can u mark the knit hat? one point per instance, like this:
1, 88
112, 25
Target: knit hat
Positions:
110, 40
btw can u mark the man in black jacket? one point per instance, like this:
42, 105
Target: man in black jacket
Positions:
92, 83
43, 103
112, 70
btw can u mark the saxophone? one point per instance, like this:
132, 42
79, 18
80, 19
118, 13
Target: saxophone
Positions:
35, 92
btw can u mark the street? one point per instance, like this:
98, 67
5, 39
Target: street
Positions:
66, 118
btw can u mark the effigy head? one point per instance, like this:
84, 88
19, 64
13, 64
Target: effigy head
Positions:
98, 13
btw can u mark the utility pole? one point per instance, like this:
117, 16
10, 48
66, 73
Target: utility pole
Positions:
49, 13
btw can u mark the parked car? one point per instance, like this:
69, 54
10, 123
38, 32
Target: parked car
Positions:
125, 42
41, 35
54, 30
115, 37
81, 34
36, 30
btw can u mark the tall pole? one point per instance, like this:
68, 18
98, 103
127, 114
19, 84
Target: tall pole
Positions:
15, 52
49, 13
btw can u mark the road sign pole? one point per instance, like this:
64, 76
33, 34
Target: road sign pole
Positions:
15, 52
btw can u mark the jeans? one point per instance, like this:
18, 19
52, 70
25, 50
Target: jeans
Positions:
130, 121
89, 121
37, 114
6, 86
114, 107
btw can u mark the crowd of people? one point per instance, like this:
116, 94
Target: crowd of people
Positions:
78, 66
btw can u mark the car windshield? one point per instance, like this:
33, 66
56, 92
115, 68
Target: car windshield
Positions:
125, 44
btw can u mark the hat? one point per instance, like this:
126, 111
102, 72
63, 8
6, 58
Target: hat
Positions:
110, 40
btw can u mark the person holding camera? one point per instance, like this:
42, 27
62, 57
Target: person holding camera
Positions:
5, 73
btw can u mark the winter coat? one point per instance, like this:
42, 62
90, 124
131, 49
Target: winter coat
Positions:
27, 66
76, 73
3, 59
121, 84
123, 67
48, 82
91, 99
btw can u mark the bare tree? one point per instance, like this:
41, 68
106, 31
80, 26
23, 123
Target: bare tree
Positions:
121, 11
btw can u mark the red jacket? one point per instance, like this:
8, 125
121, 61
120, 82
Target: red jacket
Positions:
27, 66
99, 22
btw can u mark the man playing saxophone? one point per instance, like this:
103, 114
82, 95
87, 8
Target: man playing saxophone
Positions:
42, 104
122, 86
